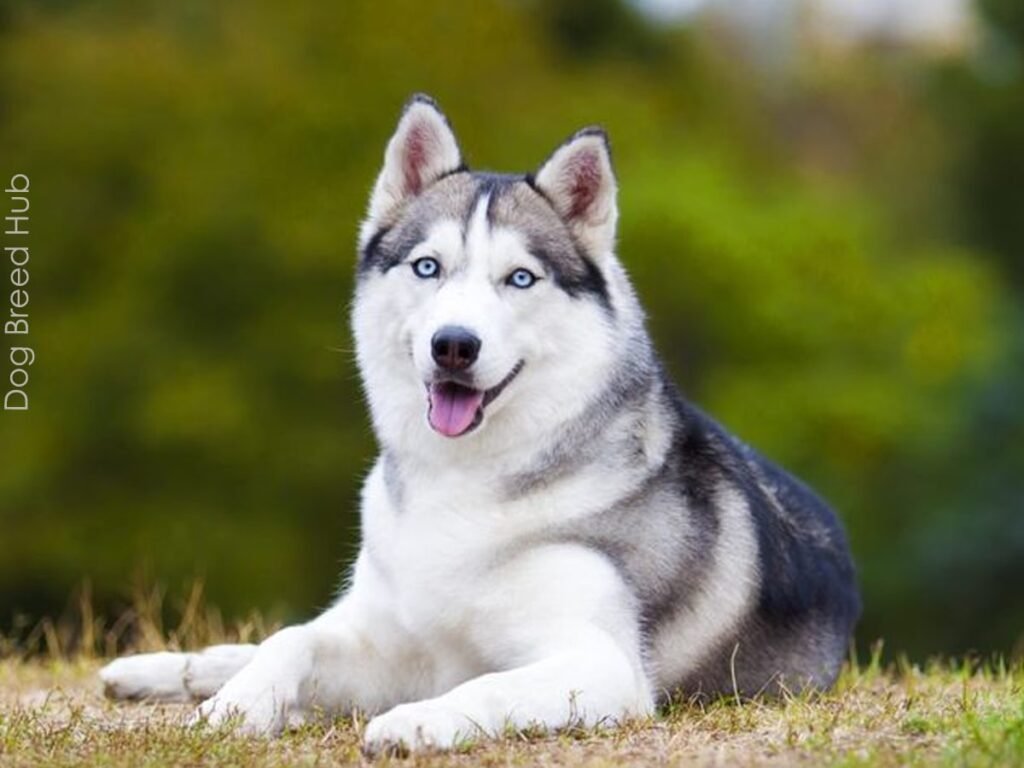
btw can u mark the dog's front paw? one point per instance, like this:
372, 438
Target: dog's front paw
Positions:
255, 710
417, 726
147, 676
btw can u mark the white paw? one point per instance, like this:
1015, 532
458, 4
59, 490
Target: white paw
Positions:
207, 672
146, 676
418, 726
255, 708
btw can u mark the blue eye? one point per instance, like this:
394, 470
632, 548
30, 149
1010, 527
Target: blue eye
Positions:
521, 278
427, 267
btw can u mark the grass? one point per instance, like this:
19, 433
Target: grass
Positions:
52, 712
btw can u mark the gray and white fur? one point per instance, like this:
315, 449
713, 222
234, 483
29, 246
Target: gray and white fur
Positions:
552, 535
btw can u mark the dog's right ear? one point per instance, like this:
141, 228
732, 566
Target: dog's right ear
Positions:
422, 150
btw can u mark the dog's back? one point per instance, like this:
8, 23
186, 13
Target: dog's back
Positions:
797, 628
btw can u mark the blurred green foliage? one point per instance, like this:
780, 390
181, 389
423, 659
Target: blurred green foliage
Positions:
829, 249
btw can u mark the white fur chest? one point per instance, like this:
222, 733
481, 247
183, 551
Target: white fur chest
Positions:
449, 550
437, 558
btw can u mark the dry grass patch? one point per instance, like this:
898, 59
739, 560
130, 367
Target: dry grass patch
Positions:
53, 713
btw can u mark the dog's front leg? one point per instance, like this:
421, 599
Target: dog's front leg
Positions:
269, 692
350, 657
586, 678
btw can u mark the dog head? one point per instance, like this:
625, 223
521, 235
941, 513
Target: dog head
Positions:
488, 306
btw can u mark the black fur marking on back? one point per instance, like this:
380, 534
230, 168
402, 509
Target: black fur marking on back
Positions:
804, 550
804, 561
807, 602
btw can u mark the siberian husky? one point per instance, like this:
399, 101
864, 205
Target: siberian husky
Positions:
551, 535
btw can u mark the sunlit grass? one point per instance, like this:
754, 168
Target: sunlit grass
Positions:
956, 713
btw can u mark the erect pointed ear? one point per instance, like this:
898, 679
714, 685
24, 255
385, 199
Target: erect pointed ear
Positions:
422, 150
579, 181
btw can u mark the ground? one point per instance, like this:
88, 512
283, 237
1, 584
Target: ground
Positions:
54, 713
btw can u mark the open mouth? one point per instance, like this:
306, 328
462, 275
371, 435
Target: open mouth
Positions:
456, 409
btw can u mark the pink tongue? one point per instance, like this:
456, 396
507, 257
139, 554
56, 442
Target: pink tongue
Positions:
453, 408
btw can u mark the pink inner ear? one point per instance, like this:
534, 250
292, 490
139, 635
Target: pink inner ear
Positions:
585, 173
415, 157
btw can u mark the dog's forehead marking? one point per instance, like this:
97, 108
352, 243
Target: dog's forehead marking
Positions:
477, 238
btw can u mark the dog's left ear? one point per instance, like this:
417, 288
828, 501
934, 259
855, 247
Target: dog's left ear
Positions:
422, 150
579, 181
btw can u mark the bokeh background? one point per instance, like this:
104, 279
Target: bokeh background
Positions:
821, 205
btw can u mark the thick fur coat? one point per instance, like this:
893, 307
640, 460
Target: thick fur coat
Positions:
551, 535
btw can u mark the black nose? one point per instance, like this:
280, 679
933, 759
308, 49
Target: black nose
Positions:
455, 348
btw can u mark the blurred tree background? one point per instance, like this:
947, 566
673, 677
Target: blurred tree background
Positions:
828, 236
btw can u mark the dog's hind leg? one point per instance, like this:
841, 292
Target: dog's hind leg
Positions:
168, 676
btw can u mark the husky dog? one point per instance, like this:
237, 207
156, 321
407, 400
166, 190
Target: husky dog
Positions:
551, 534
